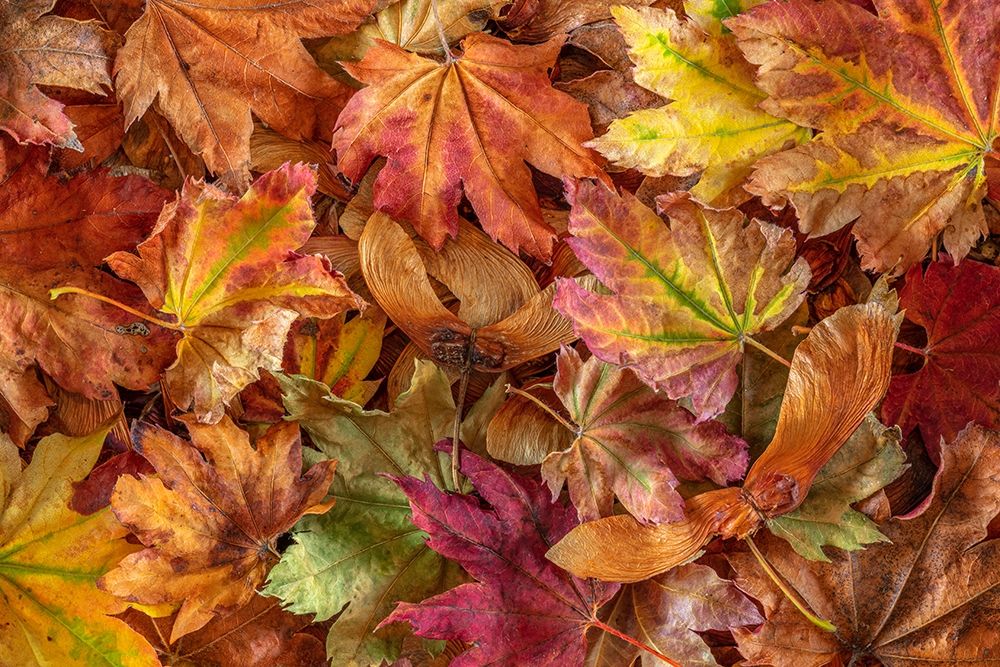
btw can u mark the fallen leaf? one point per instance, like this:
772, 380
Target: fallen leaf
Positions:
464, 126
666, 613
906, 101
209, 64
539, 20
51, 611
926, 596
211, 518
233, 287
366, 554
628, 442
713, 126
686, 298
522, 609
959, 381
39, 49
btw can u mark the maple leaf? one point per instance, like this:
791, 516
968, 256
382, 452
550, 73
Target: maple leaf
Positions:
57, 232
868, 461
258, 634
51, 611
366, 553
44, 50
211, 517
628, 442
686, 297
906, 102
469, 126
209, 64
839, 373
522, 609
713, 126
225, 271
960, 378
666, 613
927, 596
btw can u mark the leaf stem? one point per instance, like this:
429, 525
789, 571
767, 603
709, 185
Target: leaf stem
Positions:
634, 642
439, 26
463, 387
792, 596
766, 350
910, 348
541, 404
59, 291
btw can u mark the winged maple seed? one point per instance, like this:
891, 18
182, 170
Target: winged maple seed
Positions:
838, 374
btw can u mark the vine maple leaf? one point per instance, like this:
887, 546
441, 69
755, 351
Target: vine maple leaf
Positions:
908, 108
959, 381
468, 125
686, 298
226, 271
713, 125
51, 611
37, 49
210, 63
57, 232
927, 596
628, 441
211, 517
522, 609
365, 553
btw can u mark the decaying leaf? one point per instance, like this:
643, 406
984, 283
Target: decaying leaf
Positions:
208, 64
51, 611
225, 270
521, 609
839, 373
686, 298
926, 596
628, 442
714, 125
468, 126
366, 553
908, 107
211, 517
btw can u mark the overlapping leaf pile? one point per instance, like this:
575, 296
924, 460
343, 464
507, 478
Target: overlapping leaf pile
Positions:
499, 332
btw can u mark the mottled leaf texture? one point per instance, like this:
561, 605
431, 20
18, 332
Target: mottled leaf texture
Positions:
959, 308
685, 297
930, 597
258, 634
868, 461
629, 442
211, 517
365, 553
45, 50
56, 232
207, 64
908, 105
713, 126
667, 613
225, 270
522, 609
51, 611
468, 126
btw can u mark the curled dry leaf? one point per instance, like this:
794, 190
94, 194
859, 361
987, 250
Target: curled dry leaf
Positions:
464, 126
211, 517
513, 324
686, 298
225, 270
539, 20
630, 443
839, 373
908, 108
714, 125
926, 596
39, 49
209, 64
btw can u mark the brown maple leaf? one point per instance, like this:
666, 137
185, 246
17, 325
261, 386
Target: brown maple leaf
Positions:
211, 518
